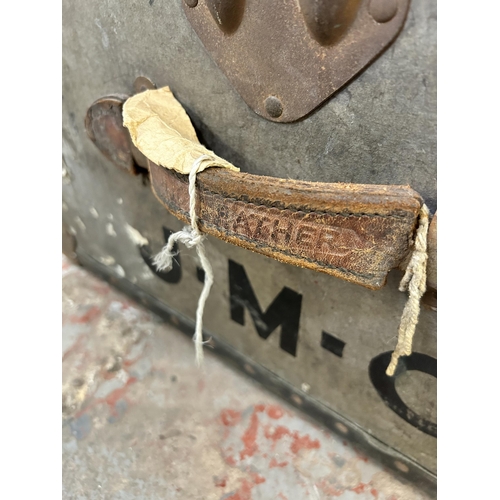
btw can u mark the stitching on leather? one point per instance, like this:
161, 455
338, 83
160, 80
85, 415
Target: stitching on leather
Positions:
401, 218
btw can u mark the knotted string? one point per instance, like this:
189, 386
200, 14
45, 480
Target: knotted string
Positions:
413, 281
191, 237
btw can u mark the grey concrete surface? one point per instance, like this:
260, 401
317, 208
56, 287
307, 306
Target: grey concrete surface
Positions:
140, 421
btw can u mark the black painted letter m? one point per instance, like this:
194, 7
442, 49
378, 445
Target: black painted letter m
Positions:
284, 310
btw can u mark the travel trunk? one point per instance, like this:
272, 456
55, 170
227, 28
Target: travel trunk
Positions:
321, 342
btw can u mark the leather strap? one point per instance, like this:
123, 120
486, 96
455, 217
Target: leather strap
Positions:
352, 231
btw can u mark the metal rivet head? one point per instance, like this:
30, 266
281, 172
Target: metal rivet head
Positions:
273, 105
341, 427
383, 10
249, 369
401, 466
191, 3
142, 84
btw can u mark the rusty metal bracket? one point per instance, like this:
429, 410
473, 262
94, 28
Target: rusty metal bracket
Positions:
104, 127
285, 58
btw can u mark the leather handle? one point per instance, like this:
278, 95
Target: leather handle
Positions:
352, 231
355, 232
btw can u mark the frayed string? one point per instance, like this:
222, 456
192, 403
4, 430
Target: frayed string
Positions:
191, 237
414, 281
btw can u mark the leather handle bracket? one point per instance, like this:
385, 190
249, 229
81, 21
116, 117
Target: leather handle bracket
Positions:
352, 231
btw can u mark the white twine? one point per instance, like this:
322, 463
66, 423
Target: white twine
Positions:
413, 281
191, 237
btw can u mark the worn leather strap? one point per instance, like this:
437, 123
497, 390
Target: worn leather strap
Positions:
352, 231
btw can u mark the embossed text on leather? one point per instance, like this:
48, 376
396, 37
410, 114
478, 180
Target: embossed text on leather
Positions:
354, 232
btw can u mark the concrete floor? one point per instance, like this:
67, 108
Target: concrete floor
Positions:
140, 421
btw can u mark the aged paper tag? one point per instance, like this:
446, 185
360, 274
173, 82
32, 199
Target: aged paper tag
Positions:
161, 129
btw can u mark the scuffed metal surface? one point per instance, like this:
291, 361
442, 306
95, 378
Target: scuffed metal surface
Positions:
379, 129
140, 421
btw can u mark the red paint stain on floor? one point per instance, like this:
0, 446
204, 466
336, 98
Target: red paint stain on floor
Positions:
244, 492
274, 463
92, 313
250, 437
282, 497
260, 408
374, 492
303, 443
111, 399
230, 460
230, 417
75, 347
274, 411
329, 489
359, 488
257, 479
115, 396
129, 362
276, 433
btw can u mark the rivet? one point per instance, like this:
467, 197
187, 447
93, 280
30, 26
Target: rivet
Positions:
191, 3
296, 399
248, 368
341, 427
383, 10
142, 84
273, 105
401, 466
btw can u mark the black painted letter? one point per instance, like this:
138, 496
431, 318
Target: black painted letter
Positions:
284, 310
386, 386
